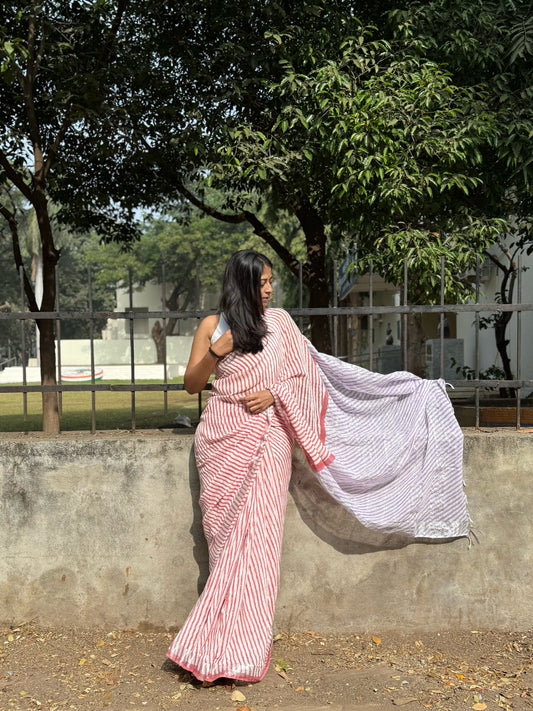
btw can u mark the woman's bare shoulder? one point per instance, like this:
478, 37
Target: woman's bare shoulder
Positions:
207, 325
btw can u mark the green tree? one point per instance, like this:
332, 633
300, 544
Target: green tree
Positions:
489, 46
56, 64
356, 137
193, 251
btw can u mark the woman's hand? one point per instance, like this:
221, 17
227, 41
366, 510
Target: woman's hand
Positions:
258, 402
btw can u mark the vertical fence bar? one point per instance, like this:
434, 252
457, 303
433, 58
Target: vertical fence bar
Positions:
335, 317
371, 315
442, 317
300, 294
164, 308
23, 346
404, 320
476, 342
132, 350
519, 342
58, 336
91, 343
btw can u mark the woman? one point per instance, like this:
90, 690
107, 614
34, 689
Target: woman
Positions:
272, 387
243, 451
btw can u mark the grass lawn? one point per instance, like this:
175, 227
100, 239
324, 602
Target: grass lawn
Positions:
113, 410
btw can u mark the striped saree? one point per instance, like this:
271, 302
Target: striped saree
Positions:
408, 479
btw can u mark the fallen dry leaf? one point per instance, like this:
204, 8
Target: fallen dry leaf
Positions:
479, 707
376, 640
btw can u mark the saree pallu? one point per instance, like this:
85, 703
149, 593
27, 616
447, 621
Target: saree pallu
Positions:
386, 447
244, 464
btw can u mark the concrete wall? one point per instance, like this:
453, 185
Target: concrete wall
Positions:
106, 530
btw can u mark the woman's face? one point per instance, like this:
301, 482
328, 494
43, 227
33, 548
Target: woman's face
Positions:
266, 285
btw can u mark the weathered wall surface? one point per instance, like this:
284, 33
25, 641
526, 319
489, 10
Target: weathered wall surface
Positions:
106, 530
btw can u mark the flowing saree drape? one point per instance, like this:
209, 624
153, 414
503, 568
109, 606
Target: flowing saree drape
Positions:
387, 448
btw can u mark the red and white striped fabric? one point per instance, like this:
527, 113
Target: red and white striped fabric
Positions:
244, 463
397, 468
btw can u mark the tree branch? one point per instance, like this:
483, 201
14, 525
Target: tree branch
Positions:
112, 34
282, 252
52, 155
207, 209
495, 260
27, 90
246, 216
15, 177
10, 217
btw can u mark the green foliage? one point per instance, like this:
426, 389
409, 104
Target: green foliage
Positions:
73, 290
59, 67
489, 45
367, 136
425, 253
193, 250
468, 373
385, 147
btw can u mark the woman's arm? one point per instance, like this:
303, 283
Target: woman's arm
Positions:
202, 361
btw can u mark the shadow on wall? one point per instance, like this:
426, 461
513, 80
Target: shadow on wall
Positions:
200, 550
332, 523
327, 519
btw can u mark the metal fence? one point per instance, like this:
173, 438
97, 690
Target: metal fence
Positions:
301, 315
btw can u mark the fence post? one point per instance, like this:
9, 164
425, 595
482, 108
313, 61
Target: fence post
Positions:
300, 293
405, 316
518, 341
132, 350
476, 342
23, 344
442, 317
335, 305
164, 305
371, 315
58, 336
91, 343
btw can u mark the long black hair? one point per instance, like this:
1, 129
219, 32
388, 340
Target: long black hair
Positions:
240, 301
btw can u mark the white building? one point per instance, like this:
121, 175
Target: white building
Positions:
460, 326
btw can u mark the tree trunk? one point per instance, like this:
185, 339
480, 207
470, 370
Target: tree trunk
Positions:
48, 376
500, 328
320, 327
46, 327
159, 337
415, 345
314, 274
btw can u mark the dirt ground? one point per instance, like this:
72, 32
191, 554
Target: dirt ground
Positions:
121, 669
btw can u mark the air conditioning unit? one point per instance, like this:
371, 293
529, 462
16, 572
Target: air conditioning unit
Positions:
453, 349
